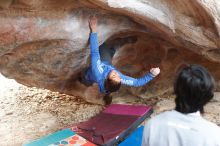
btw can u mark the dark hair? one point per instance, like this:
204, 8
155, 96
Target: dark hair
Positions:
111, 85
194, 87
107, 99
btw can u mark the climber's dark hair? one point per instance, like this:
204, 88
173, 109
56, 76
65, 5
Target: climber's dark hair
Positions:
111, 85
194, 87
107, 99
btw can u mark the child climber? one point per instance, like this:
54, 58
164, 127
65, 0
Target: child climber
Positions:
101, 70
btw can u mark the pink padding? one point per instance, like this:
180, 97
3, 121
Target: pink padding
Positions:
121, 109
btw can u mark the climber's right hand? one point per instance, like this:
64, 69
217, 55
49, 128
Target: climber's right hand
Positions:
93, 23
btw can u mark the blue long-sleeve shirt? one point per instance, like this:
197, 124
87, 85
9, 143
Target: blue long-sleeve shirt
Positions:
98, 71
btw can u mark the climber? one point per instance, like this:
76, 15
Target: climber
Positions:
101, 71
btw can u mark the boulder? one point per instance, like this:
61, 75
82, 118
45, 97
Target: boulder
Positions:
44, 43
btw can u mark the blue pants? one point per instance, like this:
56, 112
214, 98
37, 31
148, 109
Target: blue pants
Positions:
106, 54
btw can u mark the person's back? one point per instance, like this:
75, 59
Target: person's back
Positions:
194, 87
173, 128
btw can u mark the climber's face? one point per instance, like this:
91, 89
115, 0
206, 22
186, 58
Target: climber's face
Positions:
113, 75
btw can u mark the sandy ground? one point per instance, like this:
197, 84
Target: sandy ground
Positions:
29, 113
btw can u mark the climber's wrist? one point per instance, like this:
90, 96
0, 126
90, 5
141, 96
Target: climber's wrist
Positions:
93, 30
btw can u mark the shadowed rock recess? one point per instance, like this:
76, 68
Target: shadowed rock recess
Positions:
44, 43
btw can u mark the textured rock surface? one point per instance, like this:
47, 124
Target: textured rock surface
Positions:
44, 43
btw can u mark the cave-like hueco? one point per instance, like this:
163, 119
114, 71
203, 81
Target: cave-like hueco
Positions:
44, 43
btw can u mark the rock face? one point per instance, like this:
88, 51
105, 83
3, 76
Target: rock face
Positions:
44, 43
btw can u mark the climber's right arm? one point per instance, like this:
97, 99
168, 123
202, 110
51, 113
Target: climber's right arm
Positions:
94, 47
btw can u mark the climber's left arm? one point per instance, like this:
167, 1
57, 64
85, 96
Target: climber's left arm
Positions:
129, 81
